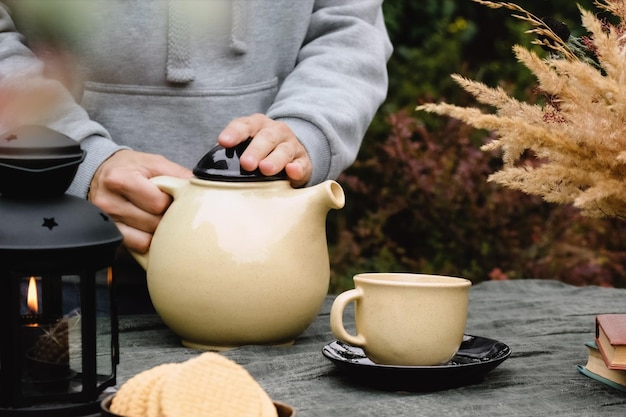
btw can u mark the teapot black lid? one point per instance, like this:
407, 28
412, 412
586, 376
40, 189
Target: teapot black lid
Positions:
222, 164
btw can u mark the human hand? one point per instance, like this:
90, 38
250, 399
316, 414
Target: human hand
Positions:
274, 147
121, 188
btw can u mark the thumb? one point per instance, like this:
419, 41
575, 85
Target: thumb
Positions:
173, 169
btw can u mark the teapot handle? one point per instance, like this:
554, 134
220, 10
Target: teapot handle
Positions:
171, 186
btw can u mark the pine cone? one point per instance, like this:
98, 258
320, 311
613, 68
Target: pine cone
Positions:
53, 345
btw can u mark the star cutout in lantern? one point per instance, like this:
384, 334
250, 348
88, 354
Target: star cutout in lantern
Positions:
49, 223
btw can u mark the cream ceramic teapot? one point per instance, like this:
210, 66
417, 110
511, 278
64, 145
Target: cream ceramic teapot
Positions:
239, 258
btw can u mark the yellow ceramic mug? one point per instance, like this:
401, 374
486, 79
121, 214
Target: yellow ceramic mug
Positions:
404, 319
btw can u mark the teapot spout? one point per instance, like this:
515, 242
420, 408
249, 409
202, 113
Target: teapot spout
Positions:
330, 193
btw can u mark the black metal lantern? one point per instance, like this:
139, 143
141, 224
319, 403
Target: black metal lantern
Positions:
58, 321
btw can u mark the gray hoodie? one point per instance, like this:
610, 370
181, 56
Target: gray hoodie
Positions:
166, 76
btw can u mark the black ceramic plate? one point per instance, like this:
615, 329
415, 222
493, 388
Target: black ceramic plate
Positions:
475, 358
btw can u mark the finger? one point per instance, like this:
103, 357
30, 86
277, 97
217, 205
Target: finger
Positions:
275, 160
123, 211
120, 188
159, 165
134, 239
137, 218
275, 145
297, 173
147, 197
238, 130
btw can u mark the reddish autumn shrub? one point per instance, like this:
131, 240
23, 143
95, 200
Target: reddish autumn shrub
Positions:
418, 200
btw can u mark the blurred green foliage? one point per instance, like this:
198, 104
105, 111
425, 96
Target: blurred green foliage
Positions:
434, 38
417, 196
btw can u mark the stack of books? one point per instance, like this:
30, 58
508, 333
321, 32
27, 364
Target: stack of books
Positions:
607, 353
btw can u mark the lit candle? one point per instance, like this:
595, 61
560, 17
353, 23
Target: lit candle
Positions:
31, 296
31, 329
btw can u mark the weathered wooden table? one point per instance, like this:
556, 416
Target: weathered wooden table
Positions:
545, 324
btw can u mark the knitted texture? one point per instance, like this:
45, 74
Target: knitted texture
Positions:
179, 69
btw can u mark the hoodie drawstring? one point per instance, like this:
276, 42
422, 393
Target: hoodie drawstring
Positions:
238, 28
179, 69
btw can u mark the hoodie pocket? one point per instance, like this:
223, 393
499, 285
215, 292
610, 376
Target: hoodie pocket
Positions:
179, 123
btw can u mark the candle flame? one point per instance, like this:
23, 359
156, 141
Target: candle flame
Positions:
32, 299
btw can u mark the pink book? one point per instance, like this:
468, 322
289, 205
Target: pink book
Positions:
611, 339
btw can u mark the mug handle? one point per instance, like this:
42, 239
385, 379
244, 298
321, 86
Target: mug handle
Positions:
336, 317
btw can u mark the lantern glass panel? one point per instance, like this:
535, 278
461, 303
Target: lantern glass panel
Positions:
51, 310
46, 332
104, 326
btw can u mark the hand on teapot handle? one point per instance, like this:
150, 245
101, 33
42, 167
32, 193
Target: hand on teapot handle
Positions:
273, 147
121, 188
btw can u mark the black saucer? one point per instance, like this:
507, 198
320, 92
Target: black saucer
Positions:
476, 357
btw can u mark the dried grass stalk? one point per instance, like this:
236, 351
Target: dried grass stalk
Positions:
579, 135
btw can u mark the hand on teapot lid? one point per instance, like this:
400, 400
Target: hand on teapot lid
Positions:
222, 164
